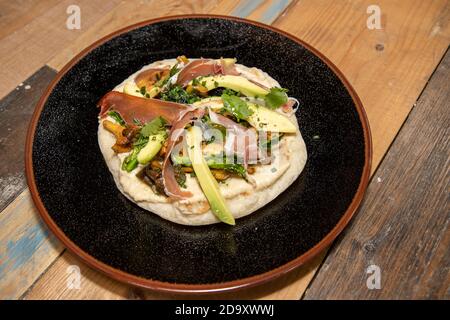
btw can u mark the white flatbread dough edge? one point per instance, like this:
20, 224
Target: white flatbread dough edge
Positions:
242, 197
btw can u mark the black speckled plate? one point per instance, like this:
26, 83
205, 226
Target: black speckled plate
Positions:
77, 197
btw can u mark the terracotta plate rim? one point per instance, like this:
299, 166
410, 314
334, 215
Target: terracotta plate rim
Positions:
198, 288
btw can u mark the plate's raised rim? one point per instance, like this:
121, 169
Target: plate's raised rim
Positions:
197, 288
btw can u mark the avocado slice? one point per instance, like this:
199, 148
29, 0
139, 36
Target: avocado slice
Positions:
236, 83
265, 119
151, 149
205, 178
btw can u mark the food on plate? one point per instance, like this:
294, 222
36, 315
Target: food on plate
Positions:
200, 141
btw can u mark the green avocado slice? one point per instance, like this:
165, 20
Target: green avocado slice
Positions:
205, 178
265, 119
151, 149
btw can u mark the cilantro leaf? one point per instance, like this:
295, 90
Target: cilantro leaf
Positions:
236, 106
153, 127
276, 98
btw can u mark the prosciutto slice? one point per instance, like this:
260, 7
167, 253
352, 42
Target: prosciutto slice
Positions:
204, 67
171, 187
228, 68
197, 68
133, 108
240, 140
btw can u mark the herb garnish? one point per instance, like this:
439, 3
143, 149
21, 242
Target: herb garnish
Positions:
117, 117
153, 127
235, 168
180, 176
276, 98
236, 106
179, 95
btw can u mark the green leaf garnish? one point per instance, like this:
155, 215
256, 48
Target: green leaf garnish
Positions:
153, 127
276, 98
236, 106
180, 176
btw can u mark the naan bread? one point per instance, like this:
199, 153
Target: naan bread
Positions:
242, 197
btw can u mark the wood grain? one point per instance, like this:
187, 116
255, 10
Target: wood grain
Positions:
130, 13
16, 14
15, 113
26, 247
127, 13
32, 44
406, 236
93, 285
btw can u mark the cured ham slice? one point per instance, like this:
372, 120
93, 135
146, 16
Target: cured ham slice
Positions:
171, 187
196, 68
228, 68
133, 108
240, 140
205, 67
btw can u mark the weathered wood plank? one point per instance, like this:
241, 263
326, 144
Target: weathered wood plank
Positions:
26, 247
403, 226
129, 13
17, 14
29, 47
93, 285
15, 113
269, 11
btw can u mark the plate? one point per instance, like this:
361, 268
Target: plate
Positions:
78, 199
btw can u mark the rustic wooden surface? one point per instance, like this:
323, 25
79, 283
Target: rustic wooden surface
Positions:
405, 226
388, 68
15, 112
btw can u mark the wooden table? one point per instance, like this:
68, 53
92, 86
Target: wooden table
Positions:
401, 73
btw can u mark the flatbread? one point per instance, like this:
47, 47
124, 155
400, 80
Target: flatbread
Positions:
242, 197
